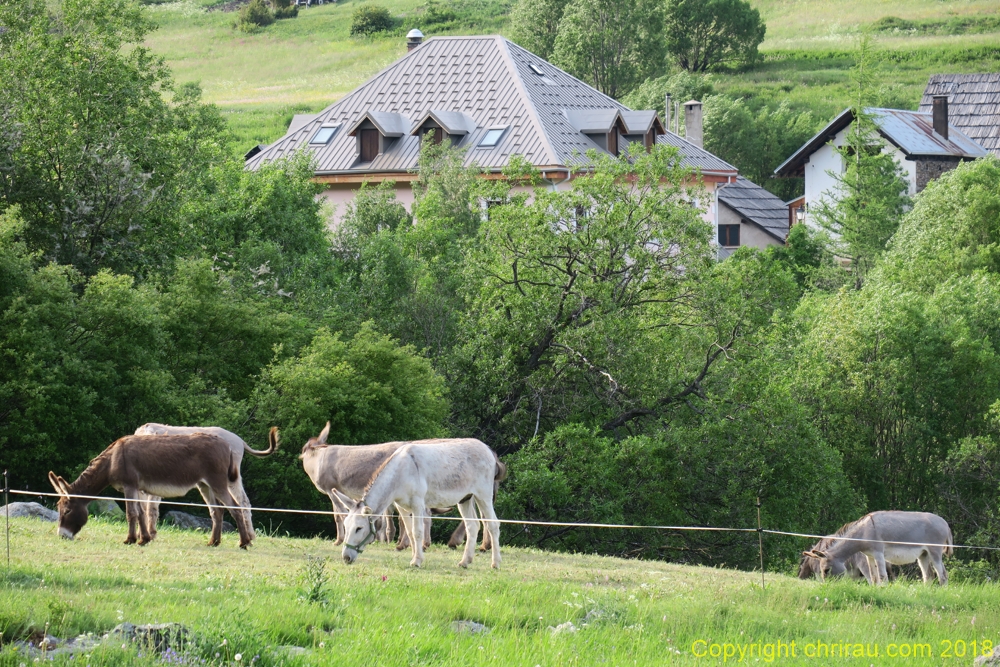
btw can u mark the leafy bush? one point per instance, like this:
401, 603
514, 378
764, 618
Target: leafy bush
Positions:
254, 16
369, 19
284, 9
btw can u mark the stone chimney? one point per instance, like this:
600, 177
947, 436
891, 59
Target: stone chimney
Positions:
941, 115
692, 122
414, 39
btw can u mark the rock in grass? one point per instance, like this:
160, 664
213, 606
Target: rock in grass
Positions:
563, 627
191, 522
469, 627
106, 508
158, 637
30, 511
991, 660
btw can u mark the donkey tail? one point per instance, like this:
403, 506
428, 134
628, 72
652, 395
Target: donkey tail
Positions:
272, 441
949, 550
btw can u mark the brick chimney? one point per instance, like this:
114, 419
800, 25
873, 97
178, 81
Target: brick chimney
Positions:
692, 122
941, 115
414, 39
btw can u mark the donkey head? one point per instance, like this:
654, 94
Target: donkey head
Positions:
318, 441
823, 565
72, 511
360, 531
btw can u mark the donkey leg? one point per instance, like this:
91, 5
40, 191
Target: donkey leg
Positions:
404, 529
417, 534
457, 537
926, 569
938, 563
883, 576
132, 511
427, 532
149, 511
471, 523
390, 526
244, 501
214, 511
492, 525
236, 511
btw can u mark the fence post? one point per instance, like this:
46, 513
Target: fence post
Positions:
760, 544
6, 506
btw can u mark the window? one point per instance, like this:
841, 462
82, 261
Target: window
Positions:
613, 142
536, 69
369, 145
324, 134
492, 137
729, 235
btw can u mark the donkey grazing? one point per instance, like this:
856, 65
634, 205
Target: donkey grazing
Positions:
346, 470
856, 566
238, 447
160, 465
895, 537
424, 474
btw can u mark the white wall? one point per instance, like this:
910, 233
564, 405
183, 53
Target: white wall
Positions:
821, 185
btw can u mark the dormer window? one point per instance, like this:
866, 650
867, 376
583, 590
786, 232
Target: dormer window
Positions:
602, 126
376, 132
442, 126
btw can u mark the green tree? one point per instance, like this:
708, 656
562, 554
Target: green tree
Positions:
613, 46
701, 34
681, 86
98, 159
870, 196
534, 24
757, 142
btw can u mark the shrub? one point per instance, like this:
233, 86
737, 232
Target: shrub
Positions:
369, 19
254, 16
283, 9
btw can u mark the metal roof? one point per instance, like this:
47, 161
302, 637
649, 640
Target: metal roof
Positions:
757, 205
973, 105
910, 131
492, 82
299, 120
696, 157
454, 122
593, 121
640, 122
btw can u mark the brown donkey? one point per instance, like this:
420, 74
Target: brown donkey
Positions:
160, 465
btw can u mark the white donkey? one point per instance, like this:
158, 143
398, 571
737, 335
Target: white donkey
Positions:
236, 445
895, 537
430, 473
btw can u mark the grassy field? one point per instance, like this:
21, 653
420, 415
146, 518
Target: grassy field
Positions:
382, 612
302, 65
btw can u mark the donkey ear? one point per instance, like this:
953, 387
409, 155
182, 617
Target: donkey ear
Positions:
818, 554
58, 483
342, 501
272, 438
367, 511
808, 554
323, 434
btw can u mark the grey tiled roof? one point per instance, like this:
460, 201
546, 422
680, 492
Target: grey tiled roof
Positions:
757, 205
910, 131
973, 105
695, 157
493, 83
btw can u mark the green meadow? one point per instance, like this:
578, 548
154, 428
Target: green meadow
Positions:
304, 64
287, 592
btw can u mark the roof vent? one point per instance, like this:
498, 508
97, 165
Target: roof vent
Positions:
413, 39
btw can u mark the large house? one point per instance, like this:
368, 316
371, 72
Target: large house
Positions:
749, 215
490, 97
925, 145
973, 105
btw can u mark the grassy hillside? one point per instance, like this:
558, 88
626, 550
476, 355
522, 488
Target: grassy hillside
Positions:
304, 64
382, 612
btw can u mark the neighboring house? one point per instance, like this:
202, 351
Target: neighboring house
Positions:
483, 94
925, 145
973, 105
749, 215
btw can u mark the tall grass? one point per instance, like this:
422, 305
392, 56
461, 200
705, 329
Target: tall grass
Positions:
382, 612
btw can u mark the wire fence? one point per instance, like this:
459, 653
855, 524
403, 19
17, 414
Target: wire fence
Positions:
522, 522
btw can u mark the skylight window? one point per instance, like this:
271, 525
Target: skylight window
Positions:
536, 69
324, 134
492, 137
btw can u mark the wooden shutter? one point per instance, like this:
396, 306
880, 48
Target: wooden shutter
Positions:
613, 142
369, 145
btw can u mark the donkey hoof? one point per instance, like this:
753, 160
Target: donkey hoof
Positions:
129, 540
214, 543
462, 564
